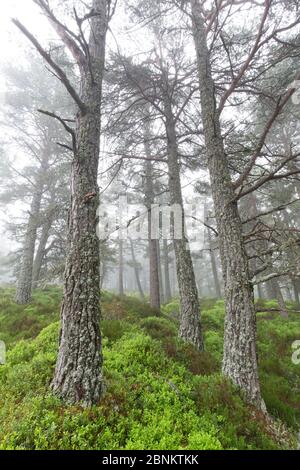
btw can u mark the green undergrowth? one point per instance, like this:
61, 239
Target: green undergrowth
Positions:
159, 392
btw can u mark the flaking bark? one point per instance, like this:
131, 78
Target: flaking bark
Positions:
240, 357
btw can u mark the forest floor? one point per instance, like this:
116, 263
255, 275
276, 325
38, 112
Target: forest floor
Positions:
159, 392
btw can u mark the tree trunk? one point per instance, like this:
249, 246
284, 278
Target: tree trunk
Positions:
136, 271
121, 269
260, 293
214, 266
274, 292
153, 270
103, 271
149, 200
78, 370
295, 285
160, 275
41, 251
24, 284
240, 356
190, 326
281, 302
168, 292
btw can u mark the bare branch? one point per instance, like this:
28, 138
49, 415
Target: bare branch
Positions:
246, 64
271, 176
65, 125
271, 276
60, 73
279, 107
66, 35
64, 146
271, 211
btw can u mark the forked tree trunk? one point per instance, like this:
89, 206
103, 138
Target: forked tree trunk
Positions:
78, 369
136, 271
240, 357
281, 303
41, 251
274, 292
190, 326
24, 284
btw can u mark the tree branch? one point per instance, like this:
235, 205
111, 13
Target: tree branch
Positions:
275, 209
63, 32
63, 122
279, 107
60, 73
271, 176
246, 64
271, 276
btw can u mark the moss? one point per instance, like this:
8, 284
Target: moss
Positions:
160, 392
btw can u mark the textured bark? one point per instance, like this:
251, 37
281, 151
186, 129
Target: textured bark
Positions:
136, 271
190, 325
24, 284
240, 357
168, 292
78, 369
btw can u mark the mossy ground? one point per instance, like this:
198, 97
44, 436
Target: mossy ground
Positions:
160, 393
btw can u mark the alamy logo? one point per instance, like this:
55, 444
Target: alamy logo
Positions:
124, 220
2, 353
296, 354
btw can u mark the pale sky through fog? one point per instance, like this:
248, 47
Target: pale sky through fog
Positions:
11, 50
13, 45
131, 40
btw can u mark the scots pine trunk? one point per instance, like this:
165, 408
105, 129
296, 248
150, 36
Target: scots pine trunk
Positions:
78, 370
121, 268
136, 271
274, 292
240, 357
272, 285
190, 327
295, 285
160, 275
168, 291
41, 250
153, 272
24, 284
152, 243
214, 266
